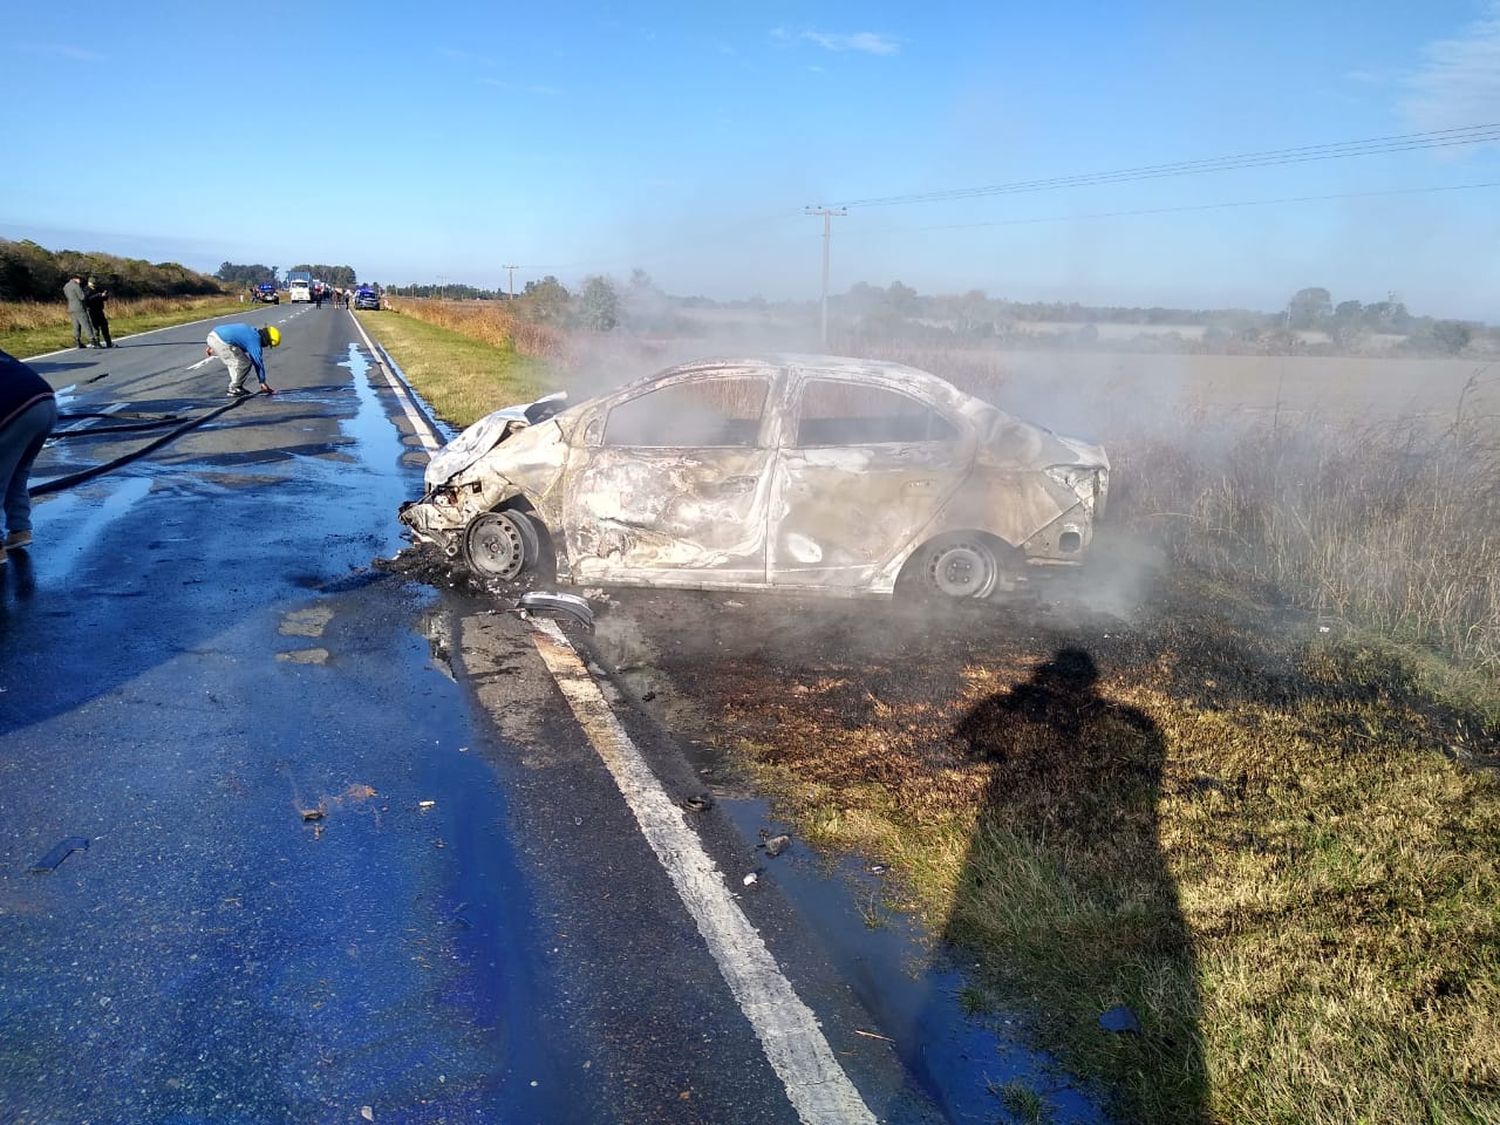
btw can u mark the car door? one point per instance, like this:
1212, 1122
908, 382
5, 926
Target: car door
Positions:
672, 483
862, 470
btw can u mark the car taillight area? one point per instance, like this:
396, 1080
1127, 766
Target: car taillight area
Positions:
1089, 482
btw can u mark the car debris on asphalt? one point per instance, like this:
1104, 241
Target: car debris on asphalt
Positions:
61, 851
542, 601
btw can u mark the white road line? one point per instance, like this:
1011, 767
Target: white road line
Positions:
788, 1031
789, 1035
134, 336
201, 363
430, 440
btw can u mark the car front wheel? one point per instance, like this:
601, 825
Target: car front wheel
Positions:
501, 545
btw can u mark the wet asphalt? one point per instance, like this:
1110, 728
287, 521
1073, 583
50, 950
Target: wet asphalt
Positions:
349, 857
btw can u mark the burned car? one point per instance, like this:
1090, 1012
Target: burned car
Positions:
787, 472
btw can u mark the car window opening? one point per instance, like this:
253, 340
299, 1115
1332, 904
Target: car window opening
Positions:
838, 413
711, 412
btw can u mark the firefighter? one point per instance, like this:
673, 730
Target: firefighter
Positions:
238, 347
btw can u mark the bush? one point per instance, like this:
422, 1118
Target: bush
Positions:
29, 272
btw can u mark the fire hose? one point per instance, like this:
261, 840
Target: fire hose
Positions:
60, 483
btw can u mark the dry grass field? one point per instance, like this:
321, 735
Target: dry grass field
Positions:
30, 328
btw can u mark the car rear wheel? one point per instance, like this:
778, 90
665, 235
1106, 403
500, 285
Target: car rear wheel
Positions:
501, 545
959, 566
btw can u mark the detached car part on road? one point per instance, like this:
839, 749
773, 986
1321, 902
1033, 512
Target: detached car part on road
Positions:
788, 472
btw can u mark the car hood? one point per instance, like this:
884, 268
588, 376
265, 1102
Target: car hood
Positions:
469, 446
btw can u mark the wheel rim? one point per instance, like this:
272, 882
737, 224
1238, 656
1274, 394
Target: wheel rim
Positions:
962, 570
495, 546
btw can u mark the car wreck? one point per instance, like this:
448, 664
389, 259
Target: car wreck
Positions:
793, 472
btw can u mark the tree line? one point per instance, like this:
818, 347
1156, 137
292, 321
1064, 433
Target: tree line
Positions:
241, 275
29, 272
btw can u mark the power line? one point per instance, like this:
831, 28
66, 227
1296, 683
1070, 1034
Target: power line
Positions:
1406, 142
1193, 207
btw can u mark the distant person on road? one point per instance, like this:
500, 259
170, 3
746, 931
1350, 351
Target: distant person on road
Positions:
28, 411
317, 296
94, 297
79, 312
238, 347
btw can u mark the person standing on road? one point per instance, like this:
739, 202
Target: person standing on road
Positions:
94, 298
238, 347
28, 411
79, 313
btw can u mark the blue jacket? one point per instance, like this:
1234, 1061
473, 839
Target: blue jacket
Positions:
247, 339
20, 387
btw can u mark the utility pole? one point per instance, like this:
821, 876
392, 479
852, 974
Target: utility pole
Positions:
512, 271
828, 213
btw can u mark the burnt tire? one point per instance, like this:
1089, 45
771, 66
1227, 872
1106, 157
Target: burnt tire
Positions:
501, 545
958, 567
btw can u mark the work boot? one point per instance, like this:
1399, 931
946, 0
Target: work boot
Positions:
238, 392
20, 538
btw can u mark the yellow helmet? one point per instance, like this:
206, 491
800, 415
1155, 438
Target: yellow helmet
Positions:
273, 336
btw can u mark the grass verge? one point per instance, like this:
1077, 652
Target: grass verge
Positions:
462, 377
28, 328
1272, 844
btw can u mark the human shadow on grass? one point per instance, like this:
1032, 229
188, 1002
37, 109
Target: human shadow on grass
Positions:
1066, 892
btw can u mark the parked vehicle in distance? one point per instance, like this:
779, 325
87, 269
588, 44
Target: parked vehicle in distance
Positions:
266, 293
365, 297
784, 472
299, 286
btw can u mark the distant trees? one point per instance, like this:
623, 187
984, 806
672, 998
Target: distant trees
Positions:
598, 304
341, 277
1452, 336
30, 272
1309, 308
243, 276
547, 301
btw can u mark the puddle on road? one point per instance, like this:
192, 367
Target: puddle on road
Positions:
906, 985
65, 551
379, 451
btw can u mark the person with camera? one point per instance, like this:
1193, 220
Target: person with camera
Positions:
93, 299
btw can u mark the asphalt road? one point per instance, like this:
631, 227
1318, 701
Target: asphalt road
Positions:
196, 657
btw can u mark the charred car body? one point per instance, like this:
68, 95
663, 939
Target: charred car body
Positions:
788, 472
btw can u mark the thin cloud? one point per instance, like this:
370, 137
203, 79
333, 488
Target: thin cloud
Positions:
865, 42
1459, 81
521, 88
63, 51
465, 56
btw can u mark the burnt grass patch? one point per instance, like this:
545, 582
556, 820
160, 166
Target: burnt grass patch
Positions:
1273, 839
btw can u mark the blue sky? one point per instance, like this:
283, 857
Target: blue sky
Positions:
444, 140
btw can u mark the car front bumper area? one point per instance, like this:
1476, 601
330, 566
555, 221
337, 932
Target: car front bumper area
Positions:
434, 521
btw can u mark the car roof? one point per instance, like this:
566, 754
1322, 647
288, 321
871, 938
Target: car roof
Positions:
895, 375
